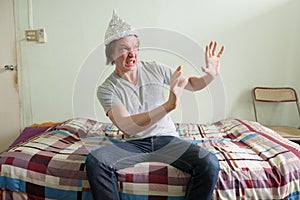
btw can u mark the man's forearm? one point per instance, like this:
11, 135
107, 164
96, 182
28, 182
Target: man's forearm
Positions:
133, 124
198, 83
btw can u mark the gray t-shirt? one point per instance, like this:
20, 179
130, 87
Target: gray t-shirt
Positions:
146, 95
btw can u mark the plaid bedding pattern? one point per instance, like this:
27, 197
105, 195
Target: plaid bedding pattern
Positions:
149, 180
256, 163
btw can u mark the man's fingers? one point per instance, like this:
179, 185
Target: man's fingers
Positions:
179, 68
178, 79
177, 71
210, 49
221, 52
207, 51
210, 44
214, 48
175, 75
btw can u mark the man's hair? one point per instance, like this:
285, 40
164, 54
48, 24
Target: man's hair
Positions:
109, 49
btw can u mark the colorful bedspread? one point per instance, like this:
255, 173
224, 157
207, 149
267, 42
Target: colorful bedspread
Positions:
256, 163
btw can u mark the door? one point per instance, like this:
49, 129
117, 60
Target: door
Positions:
9, 96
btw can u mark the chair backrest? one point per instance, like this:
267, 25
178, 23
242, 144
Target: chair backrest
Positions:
274, 94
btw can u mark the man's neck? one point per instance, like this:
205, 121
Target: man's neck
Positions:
130, 76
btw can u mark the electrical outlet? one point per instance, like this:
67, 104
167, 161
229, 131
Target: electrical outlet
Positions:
32, 35
38, 35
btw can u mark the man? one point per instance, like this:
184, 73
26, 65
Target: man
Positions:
132, 97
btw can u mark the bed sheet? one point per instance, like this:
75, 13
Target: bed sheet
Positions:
256, 163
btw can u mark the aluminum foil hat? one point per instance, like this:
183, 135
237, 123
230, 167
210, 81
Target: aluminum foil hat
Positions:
118, 29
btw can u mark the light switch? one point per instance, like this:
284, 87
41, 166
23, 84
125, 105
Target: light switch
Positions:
42, 35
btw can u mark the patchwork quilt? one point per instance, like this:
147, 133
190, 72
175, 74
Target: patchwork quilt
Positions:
256, 163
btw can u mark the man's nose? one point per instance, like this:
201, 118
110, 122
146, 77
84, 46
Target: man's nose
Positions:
131, 52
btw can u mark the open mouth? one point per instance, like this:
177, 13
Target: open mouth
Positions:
130, 62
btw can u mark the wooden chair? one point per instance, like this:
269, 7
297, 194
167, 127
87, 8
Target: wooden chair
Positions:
278, 95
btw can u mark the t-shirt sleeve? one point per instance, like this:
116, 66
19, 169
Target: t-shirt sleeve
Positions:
107, 98
166, 71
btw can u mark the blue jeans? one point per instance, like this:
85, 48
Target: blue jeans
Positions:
103, 163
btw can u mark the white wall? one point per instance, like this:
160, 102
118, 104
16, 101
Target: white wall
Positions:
261, 38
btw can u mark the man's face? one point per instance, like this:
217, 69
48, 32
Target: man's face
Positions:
126, 53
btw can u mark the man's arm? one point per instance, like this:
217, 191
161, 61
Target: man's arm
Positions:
132, 124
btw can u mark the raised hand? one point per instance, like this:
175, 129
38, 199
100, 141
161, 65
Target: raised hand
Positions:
212, 60
178, 82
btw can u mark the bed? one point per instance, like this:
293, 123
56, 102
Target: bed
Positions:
256, 163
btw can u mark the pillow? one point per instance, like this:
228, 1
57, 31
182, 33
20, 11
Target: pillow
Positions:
28, 133
84, 128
